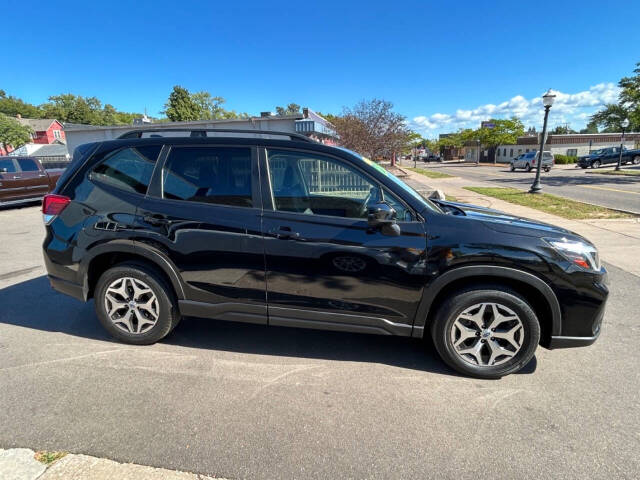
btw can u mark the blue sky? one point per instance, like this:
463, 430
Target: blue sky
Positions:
445, 65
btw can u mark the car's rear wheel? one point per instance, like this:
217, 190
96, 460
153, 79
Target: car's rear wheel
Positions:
636, 160
486, 332
547, 169
135, 304
528, 167
595, 164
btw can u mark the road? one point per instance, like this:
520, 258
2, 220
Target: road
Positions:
247, 401
620, 192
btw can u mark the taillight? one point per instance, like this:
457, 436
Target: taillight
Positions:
53, 205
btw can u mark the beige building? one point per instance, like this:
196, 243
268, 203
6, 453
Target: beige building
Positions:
575, 145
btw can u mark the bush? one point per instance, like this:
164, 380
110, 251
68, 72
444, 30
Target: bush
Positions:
565, 159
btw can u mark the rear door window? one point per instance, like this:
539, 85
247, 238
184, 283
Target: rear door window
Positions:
215, 175
129, 169
7, 166
28, 165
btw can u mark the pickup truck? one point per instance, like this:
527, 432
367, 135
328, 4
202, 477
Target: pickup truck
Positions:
607, 156
24, 179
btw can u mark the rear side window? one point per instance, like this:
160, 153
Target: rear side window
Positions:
7, 166
28, 165
128, 169
216, 175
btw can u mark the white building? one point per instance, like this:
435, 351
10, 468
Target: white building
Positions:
307, 123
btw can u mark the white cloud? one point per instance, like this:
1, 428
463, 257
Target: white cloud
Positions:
572, 108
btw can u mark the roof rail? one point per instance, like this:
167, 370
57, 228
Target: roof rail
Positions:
202, 132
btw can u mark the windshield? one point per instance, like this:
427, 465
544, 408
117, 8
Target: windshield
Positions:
423, 200
598, 152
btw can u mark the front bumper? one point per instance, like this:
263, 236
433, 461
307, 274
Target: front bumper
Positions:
582, 312
68, 288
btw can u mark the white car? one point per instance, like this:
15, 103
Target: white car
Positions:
528, 161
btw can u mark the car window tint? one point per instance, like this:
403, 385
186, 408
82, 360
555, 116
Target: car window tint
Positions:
313, 184
218, 175
129, 169
7, 166
28, 165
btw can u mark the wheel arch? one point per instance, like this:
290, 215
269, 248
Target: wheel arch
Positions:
104, 256
535, 290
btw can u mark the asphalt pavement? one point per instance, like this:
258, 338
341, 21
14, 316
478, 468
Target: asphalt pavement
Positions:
619, 192
247, 401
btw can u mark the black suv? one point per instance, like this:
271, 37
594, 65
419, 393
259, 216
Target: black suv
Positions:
273, 228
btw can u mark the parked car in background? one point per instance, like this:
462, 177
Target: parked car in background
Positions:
24, 179
528, 161
290, 232
609, 156
432, 158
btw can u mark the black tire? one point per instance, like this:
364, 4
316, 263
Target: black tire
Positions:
584, 167
528, 167
513, 167
168, 312
595, 164
636, 160
462, 300
547, 169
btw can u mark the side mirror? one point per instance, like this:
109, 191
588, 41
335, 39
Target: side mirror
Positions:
383, 216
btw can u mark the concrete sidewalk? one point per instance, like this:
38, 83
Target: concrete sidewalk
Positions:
618, 240
20, 464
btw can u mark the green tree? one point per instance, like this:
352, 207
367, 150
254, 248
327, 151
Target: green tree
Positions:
562, 130
591, 127
12, 106
291, 109
210, 107
628, 106
181, 107
610, 117
12, 133
72, 108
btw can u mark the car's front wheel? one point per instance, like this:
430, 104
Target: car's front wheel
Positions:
486, 332
135, 304
513, 167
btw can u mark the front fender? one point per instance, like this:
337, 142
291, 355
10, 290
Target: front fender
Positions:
432, 291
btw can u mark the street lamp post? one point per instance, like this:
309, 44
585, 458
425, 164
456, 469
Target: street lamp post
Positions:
547, 101
478, 152
624, 124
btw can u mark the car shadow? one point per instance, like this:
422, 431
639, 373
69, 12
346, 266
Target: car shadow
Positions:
33, 304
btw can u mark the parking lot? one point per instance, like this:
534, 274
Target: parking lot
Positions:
247, 401
619, 192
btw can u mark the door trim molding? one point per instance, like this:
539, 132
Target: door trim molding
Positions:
294, 317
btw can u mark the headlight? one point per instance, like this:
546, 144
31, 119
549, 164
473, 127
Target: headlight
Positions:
579, 253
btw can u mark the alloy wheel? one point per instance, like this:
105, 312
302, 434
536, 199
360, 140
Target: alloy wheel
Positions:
487, 334
131, 305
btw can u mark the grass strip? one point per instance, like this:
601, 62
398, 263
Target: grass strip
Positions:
562, 207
